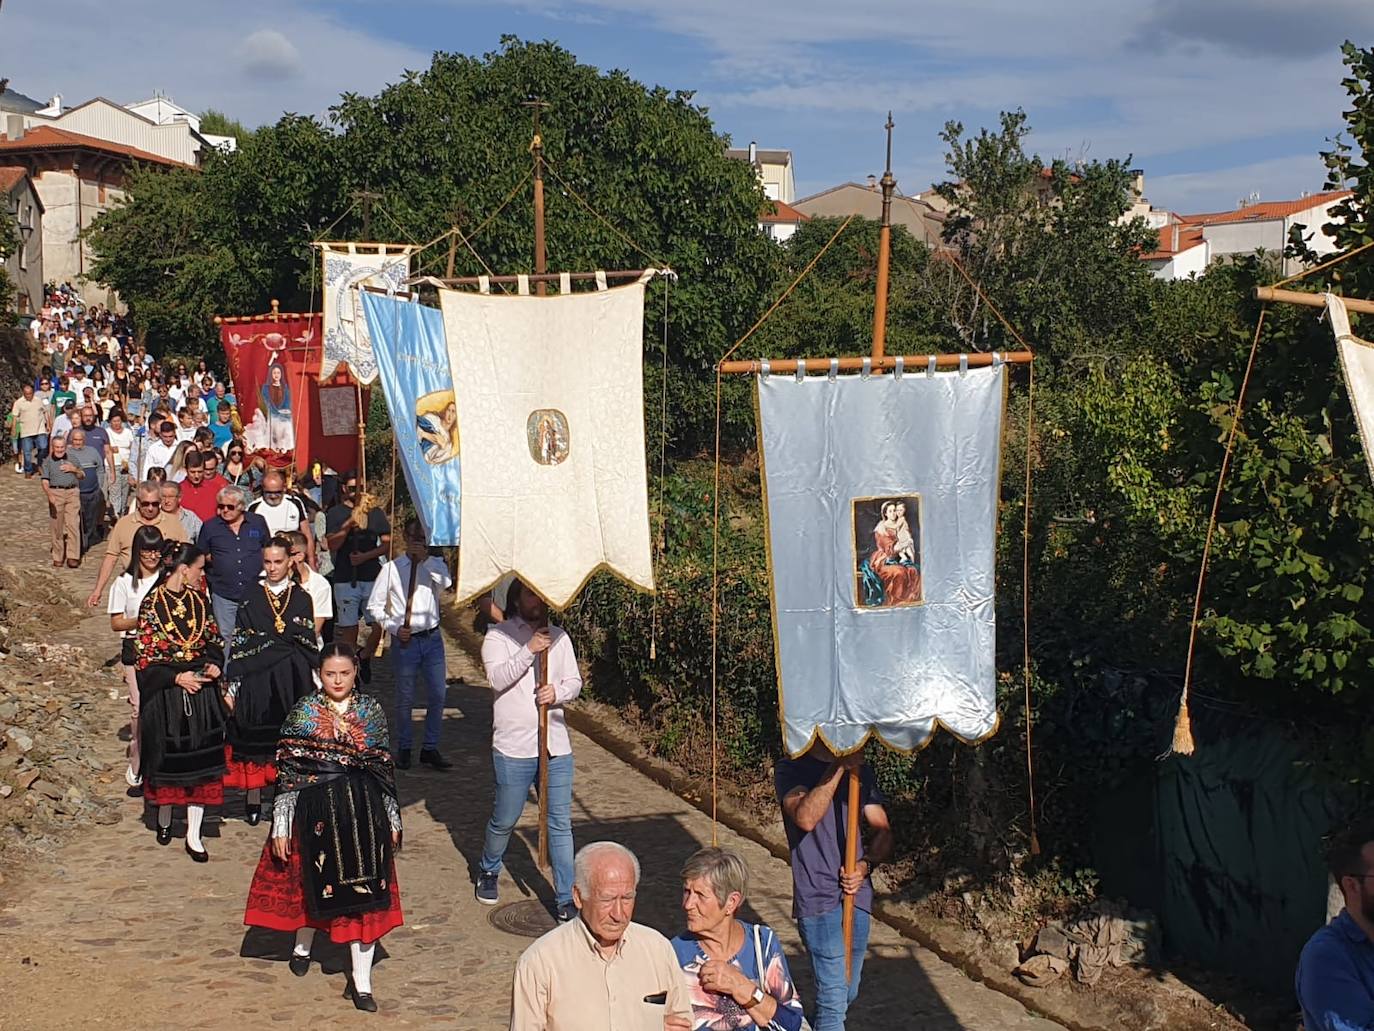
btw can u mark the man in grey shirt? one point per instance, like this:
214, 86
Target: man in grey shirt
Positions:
92, 501
60, 479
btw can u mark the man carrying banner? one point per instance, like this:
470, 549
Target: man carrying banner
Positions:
405, 603
511, 652
358, 539
815, 816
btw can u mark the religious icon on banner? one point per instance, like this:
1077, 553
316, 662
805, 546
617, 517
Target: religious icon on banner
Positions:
546, 432
436, 426
887, 549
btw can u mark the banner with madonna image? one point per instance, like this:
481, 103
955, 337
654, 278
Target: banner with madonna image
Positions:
347, 340
880, 502
412, 361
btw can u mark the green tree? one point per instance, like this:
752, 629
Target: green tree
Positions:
217, 123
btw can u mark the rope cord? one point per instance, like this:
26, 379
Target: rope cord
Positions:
953, 260
1026, 602
778, 303
330, 228
662, 467
602, 218
1183, 738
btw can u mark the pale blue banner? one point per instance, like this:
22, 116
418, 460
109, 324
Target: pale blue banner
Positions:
881, 506
412, 361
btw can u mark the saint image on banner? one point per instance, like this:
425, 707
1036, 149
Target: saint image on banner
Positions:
546, 433
887, 549
275, 408
436, 426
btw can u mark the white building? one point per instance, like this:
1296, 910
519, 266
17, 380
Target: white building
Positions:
1189, 243
162, 110
774, 169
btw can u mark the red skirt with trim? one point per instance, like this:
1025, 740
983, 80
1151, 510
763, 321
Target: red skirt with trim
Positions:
276, 901
211, 793
246, 774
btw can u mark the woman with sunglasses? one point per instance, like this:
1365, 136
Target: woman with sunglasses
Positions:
237, 470
336, 826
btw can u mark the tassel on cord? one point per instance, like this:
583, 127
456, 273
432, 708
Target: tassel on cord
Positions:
1183, 729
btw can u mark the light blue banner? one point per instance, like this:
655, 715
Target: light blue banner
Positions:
881, 505
412, 360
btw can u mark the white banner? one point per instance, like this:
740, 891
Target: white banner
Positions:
550, 397
1357, 363
880, 495
348, 265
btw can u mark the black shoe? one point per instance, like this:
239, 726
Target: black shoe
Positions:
365, 672
252, 815
564, 913
299, 965
361, 1000
403, 759
199, 857
164, 835
431, 757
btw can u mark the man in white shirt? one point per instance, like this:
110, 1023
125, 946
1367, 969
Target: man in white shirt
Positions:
159, 452
319, 588
510, 652
283, 511
405, 603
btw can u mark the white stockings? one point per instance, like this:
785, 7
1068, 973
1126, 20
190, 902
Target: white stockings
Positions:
195, 815
362, 966
305, 937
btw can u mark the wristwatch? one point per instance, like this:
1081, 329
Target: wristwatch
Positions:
755, 998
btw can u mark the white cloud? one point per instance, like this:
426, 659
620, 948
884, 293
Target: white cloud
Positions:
269, 54
1281, 178
252, 61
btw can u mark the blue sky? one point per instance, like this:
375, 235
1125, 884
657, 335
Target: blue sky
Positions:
1214, 99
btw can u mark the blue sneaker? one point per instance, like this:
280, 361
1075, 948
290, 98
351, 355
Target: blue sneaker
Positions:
486, 889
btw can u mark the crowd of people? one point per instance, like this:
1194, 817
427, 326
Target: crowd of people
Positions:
251, 603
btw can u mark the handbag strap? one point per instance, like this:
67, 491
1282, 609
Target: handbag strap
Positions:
758, 960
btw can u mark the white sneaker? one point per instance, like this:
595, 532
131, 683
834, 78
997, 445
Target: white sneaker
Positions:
134, 780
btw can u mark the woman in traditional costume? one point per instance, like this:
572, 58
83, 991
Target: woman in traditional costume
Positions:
177, 655
336, 826
897, 573
271, 667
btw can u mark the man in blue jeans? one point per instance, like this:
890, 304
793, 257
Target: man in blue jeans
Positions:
813, 793
405, 603
232, 541
510, 653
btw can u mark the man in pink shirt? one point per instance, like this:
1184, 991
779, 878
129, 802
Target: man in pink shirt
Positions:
198, 491
509, 653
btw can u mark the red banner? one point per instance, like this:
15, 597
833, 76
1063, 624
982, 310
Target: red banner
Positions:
275, 366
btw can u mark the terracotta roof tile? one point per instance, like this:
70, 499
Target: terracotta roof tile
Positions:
49, 137
10, 175
783, 212
1189, 236
1265, 210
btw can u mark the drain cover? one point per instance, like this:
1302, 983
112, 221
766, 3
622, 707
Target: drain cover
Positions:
528, 918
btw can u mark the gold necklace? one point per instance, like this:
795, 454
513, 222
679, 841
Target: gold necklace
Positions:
196, 622
278, 610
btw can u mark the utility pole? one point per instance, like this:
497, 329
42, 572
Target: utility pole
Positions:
537, 149
365, 198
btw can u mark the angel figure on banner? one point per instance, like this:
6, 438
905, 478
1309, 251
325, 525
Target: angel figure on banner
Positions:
889, 575
436, 425
271, 428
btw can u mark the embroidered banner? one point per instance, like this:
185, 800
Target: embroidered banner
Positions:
413, 362
1357, 363
881, 510
551, 414
348, 265
275, 364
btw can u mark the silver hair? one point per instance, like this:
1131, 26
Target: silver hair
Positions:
587, 856
174, 484
725, 870
237, 493
75, 431
147, 487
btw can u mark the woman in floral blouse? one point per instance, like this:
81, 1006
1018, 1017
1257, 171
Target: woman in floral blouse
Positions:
736, 972
177, 659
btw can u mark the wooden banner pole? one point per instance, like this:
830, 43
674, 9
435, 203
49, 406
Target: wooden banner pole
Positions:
1269, 293
851, 863
912, 364
540, 670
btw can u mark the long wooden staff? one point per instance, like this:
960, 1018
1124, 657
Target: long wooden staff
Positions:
851, 864
541, 667
410, 591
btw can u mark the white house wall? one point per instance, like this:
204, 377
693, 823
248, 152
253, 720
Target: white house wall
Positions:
173, 141
65, 258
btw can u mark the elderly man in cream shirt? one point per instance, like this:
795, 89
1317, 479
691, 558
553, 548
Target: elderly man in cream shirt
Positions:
601, 972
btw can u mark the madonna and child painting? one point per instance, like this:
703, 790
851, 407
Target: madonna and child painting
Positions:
887, 551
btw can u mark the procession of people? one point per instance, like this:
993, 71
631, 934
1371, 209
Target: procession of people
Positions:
250, 604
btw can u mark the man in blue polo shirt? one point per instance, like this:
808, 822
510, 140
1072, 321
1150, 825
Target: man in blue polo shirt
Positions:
813, 793
232, 541
1335, 977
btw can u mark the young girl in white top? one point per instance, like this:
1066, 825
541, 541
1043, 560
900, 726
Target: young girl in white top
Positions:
126, 595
